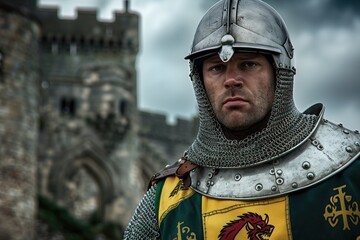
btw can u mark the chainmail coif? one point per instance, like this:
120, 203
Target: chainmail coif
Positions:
287, 128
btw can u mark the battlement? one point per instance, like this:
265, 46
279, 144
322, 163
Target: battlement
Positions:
87, 31
154, 125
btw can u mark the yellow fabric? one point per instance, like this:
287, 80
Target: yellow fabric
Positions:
218, 213
171, 196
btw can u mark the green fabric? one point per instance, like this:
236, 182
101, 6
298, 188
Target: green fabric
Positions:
309, 209
308, 206
183, 222
159, 186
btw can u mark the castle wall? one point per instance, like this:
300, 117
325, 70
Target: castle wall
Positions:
89, 110
70, 129
18, 122
170, 141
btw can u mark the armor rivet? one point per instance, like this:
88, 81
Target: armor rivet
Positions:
315, 142
357, 144
279, 181
210, 175
212, 183
280, 65
349, 149
198, 183
279, 172
294, 185
272, 171
214, 171
258, 187
237, 177
340, 124
306, 165
273, 188
208, 183
320, 147
346, 131
310, 175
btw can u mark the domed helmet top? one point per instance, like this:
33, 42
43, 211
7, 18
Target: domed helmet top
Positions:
242, 25
246, 26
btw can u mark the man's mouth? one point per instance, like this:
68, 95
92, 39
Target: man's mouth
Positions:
234, 102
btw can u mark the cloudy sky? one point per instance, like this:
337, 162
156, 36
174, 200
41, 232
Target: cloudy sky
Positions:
325, 34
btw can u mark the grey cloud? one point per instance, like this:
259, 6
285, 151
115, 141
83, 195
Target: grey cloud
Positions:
310, 14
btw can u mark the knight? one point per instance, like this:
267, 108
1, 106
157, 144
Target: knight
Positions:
258, 168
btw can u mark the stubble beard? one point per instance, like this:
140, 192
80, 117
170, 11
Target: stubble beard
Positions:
245, 119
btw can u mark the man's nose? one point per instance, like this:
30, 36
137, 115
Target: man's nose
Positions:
233, 77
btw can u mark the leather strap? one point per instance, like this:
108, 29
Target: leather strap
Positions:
181, 169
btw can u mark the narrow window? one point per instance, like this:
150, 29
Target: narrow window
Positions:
123, 105
68, 106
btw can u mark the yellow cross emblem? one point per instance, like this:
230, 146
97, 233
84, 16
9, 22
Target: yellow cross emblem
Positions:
342, 206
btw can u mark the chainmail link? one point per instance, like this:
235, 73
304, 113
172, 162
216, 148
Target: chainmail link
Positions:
286, 129
143, 224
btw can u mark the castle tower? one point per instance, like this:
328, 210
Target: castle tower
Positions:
19, 34
89, 135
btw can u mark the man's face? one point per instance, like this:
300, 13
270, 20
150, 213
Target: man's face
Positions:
240, 91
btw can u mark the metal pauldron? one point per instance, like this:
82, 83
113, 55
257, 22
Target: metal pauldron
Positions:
330, 149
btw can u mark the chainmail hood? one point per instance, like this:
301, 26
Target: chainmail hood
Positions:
286, 129
246, 25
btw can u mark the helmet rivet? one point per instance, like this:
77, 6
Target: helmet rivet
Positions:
273, 188
357, 144
346, 131
294, 185
279, 171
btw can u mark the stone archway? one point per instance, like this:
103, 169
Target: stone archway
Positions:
83, 184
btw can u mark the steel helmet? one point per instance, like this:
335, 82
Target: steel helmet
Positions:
243, 25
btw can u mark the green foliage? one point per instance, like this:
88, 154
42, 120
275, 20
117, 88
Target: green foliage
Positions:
59, 220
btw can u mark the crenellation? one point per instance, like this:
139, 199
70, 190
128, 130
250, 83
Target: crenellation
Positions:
87, 32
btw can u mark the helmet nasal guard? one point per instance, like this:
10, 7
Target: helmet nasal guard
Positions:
243, 25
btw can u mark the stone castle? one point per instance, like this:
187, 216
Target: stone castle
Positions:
70, 128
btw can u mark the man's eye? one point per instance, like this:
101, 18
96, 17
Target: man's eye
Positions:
216, 68
249, 64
